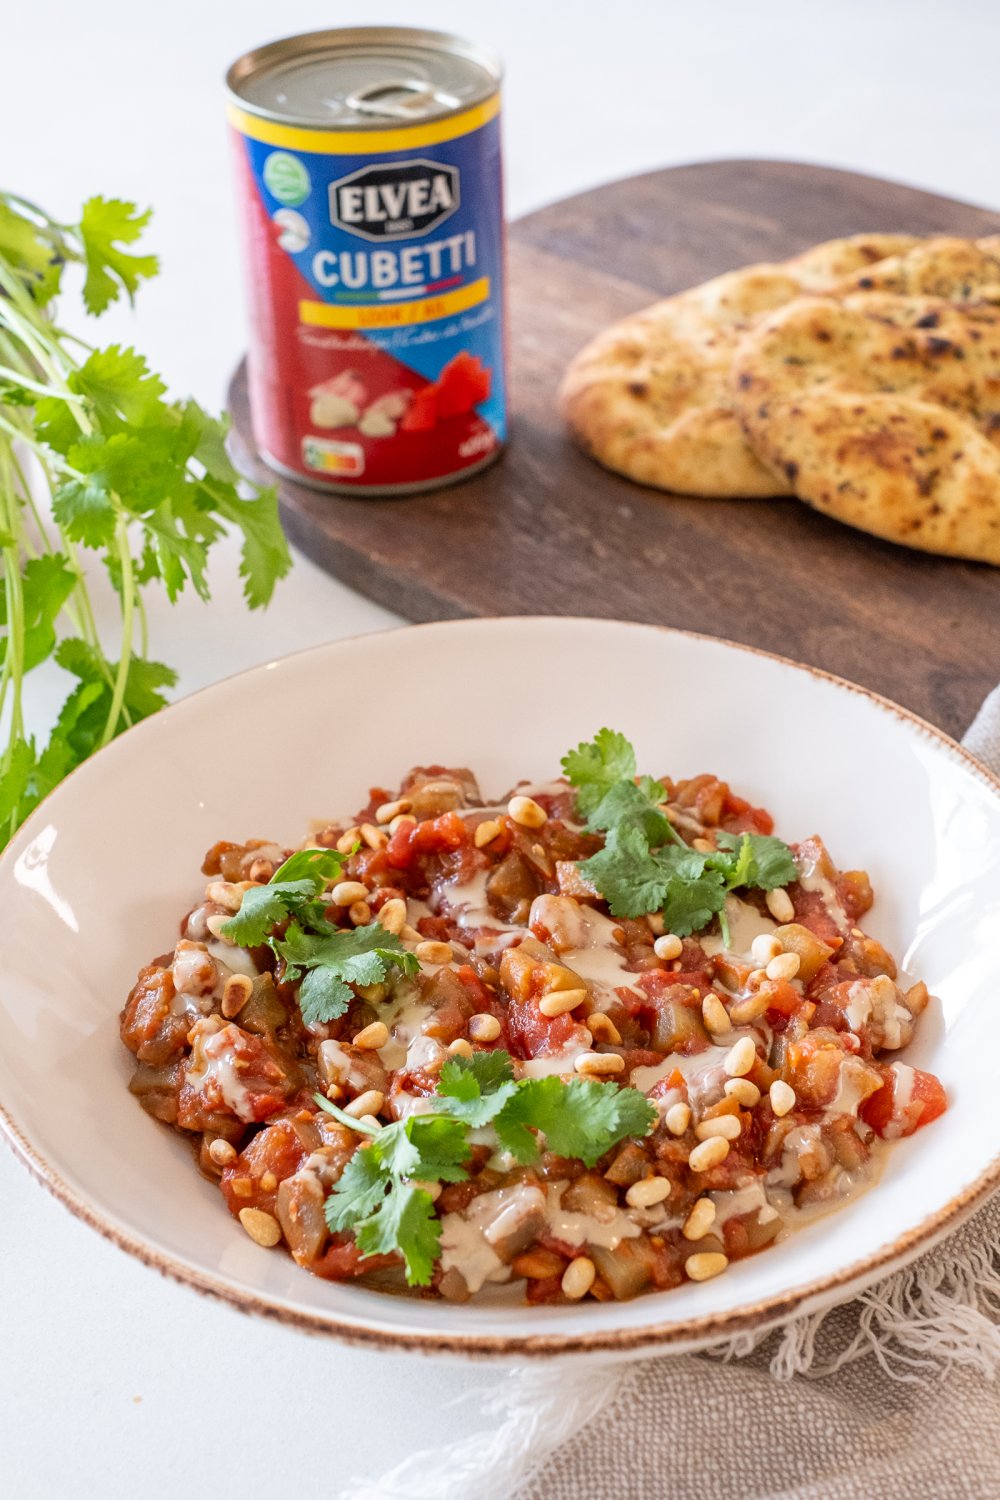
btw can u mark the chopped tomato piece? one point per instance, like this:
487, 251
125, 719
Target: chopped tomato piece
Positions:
422, 413
462, 384
907, 1099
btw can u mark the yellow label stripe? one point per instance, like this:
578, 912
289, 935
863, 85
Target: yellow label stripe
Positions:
394, 314
362, 142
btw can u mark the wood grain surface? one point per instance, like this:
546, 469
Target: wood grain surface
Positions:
546, 531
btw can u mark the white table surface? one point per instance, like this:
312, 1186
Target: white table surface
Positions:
105, 1368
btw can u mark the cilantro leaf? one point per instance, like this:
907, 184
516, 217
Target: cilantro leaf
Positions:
690, 904
293, 885
377, 1197
580, 1118
319, 865
406, 1222
629, 875
594, 767
106, 225
338, 958
625, 805
761, 860
476, 1088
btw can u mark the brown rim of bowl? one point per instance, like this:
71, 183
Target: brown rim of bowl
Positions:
690, 1333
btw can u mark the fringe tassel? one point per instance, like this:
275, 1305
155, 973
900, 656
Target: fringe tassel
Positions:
942, 1312
536, 1411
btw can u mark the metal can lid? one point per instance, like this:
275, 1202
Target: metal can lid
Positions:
363, 77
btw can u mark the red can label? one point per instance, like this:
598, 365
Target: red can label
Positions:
375, 274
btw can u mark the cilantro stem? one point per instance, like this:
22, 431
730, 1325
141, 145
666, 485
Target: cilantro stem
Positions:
127, 595
349, 1120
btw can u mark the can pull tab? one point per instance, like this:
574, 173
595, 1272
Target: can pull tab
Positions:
400, 98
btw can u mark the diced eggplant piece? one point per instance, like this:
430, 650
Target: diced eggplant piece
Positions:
157, 1090
299, 1210
676, 1026
627, 1269
812, 951
263, 1013
590, 1194
512, 887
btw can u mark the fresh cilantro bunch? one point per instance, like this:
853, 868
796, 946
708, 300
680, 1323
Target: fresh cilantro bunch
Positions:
645, 866
93, 456
379, 1196
328, 959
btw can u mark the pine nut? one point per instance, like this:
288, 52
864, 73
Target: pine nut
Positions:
668, 946
708, 1154
372, 1121
484, 1028
749, 1009
346, 892
743, 1091
782, 1097
647, 1191
459, 1048
741, 1057
764, 947
705, 1265
375, 838
700, 1220
334, 1093
392, 916
263, 1228
715, 1015
486, 833
677, 1118
703, 846
261, 871
526, 812
215, 924
578, 1277
410, 934
598, 1063
360, 913
432, 1189
434, 953
726, 1126
235, 993
603, 1029
347, 841
241, 1187
536, 1264
390, 810
785, 966
222, 1152
655, 923
268, 1182
368, 1103
226, 893
371, 1038
779, 904
558, 1002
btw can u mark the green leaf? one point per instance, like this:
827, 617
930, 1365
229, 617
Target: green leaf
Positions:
476, 1088
30, 252
264, 556
318, 865
631, 878
690, 904
626, 805
406, 1222
580, 1118
46, 584
594, 767
14, 782
358, 956
760, 860
358, 1192
323, 996
121, 388
106, 225
85, 510
264, 906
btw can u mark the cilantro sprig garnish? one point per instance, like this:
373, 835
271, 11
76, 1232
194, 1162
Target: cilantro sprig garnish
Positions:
645, 866
143, 482
379, 1197
328, 959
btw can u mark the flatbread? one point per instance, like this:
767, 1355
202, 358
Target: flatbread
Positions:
650, 397
956, 269
884, 412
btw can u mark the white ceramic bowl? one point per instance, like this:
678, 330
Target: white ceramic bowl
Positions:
94, 884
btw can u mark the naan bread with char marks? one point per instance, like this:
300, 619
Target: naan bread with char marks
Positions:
884, 412
959, 270
651, 396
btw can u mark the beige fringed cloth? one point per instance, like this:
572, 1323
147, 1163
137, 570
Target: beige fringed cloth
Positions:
893, 1396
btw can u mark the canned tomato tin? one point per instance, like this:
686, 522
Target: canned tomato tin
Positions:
369, 180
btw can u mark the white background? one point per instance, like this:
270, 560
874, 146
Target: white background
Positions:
113, 1382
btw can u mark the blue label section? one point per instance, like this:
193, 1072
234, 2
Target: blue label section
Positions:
395, 228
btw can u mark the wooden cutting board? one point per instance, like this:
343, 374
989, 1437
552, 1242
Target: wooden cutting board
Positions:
545, 531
